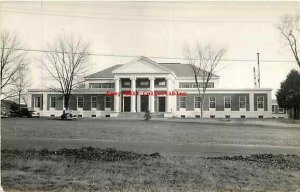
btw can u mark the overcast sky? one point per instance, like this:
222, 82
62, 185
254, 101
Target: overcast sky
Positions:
159, 29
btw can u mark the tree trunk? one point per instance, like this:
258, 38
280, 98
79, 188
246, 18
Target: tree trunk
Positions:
19, 101
67, 102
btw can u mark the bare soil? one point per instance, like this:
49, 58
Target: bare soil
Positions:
95, 169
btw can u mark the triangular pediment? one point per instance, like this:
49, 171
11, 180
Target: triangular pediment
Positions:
141, 65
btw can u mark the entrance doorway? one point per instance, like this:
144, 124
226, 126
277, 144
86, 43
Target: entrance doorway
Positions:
144, 103
126, 104
161, 104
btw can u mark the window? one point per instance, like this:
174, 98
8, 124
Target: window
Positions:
79, 102
212, 102
260, 102
127, 84
280, 110
182, 102
196, 102
242, 102
273, 108
101, 85
210, 85
37, 102
107, 102
144, 83
94, 101
184, 85
52, 102
212, 116
227, 116
243, 116
227, 102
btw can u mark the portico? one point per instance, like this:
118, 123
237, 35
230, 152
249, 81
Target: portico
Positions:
137, 82
139, 94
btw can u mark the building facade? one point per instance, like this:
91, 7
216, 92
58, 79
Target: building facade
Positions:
168, 89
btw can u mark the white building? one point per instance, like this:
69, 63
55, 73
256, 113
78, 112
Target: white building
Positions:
168, 89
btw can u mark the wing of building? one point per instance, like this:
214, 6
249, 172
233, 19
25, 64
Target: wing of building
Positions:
168, 89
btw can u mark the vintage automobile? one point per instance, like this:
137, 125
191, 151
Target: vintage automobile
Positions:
68, 115
27, 112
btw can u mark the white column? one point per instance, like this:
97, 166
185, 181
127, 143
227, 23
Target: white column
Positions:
168, 97
152, 110
29, 100
117, 96
251, 101
133, 90
45, 100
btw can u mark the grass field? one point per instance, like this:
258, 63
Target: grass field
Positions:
25, 169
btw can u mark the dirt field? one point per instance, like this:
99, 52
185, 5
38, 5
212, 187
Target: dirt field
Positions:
26, 167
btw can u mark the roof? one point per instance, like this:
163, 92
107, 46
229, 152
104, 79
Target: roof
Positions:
180, 70
106, 73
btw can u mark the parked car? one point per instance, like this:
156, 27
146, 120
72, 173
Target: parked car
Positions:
4, 114
68, 115
26, 112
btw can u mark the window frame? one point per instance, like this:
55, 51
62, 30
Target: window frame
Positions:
197, 102
210, 102
80, 101
182, 102
39, 102
273, 108
93, 102
244, 102
108, 101
227, 102
280, 109
262, 103
51, 102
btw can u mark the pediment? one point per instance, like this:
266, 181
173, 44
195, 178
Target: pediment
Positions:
141, 65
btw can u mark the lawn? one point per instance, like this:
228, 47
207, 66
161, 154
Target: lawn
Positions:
211, 164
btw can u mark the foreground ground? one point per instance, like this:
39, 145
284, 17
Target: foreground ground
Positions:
90, 169
167, 137
193, 156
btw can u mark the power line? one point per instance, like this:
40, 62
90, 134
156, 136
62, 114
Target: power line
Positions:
125, 18
154, 57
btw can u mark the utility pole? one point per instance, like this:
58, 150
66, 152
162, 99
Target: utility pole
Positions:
258, 71
254, 75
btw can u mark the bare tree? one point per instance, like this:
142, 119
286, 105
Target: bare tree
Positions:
289, 28
11, 57
21, 82
203, 61
65, 62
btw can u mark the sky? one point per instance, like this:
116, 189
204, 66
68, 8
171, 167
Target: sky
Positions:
120, 31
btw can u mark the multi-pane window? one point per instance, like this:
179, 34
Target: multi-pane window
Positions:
194, 85
182, 102
101, 85
94, 101
37, 102
227, 102
260, 102
242, 102
52, 102
79, 102
280, 110
107, 102
197, 102
273, 108
212, 102
144, 83
184, 85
